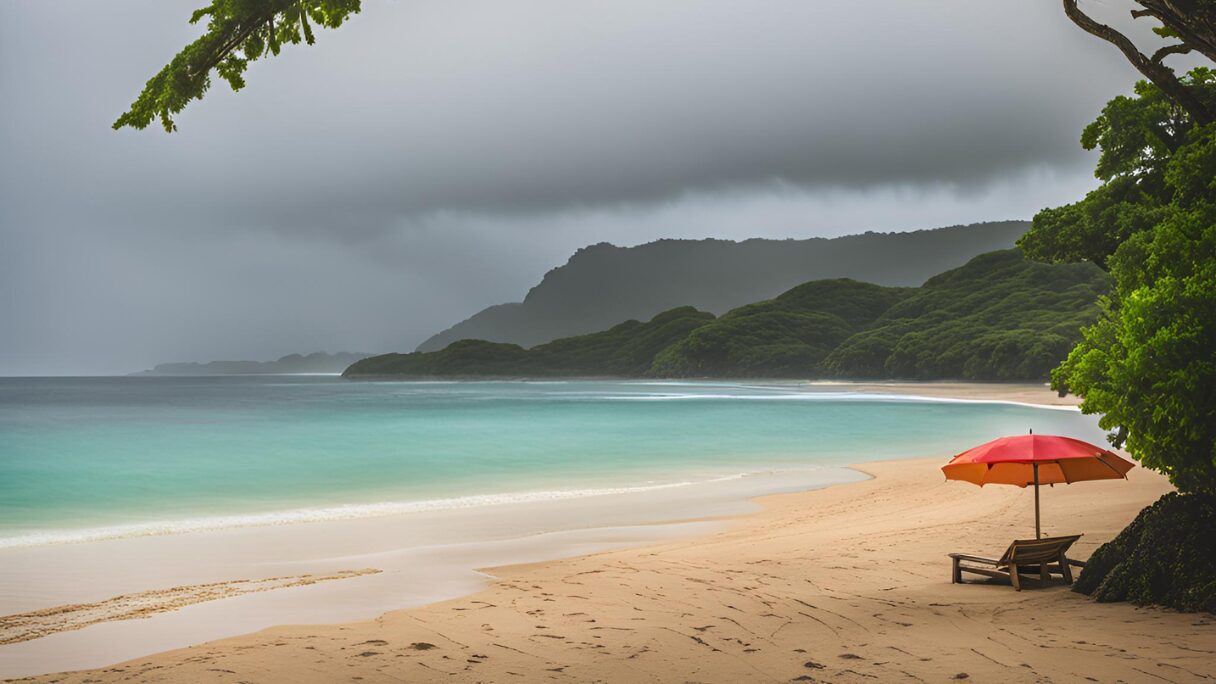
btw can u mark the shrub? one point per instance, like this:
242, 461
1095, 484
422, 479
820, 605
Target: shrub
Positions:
1167, 556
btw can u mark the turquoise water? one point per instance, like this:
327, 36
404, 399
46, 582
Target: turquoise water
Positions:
121, 453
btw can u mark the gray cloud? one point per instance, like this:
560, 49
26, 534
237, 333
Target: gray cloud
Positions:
436, 156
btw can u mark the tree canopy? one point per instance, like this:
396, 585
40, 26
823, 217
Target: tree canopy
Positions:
1148, 365
1136, 136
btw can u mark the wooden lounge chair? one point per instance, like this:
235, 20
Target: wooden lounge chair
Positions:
1043, 557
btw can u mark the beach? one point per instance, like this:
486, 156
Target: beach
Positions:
1023, 393
847, 582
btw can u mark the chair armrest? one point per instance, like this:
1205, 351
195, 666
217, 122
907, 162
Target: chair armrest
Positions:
974, 559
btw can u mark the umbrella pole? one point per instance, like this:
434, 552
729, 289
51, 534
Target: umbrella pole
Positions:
1037, 533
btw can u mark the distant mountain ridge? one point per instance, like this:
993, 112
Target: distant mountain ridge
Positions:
603, 284
317, 362
999, 317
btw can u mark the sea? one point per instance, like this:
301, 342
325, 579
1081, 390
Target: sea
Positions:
84, 459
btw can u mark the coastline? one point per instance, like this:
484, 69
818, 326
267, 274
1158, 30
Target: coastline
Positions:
695, 524
188, 588
841, 584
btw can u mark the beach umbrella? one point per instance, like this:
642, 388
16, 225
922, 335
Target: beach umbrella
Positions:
1033, 460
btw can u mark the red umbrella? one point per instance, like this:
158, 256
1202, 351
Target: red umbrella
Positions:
1036, 459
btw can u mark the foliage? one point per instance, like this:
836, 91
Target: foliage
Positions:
1137, 137
1167, 556
787, 336
997, 318
1148, 365
238, 32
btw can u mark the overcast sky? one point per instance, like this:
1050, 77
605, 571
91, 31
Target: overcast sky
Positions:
434, 157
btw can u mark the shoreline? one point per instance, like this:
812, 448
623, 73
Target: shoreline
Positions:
842, 584
191, 587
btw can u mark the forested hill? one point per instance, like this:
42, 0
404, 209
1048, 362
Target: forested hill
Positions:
603, 284
999, 317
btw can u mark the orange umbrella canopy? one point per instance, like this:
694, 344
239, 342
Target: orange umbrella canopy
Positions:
1012, 460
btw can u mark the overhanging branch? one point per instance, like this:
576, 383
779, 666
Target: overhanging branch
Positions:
1178, 49
1162, 76
1191, 21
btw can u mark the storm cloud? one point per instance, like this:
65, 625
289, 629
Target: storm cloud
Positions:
436, 156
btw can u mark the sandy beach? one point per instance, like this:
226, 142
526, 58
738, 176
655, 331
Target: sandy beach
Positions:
1021, 393
847, 583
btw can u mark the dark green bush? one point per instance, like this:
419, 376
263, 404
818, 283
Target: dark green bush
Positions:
1166, 557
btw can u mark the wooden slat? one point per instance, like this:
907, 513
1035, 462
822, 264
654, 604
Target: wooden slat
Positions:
974, 559
984, 571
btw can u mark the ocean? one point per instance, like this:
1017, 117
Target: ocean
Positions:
98, 458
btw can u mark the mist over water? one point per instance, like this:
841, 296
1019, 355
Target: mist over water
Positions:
94, 457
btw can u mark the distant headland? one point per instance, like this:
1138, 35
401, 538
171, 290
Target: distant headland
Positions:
317, 362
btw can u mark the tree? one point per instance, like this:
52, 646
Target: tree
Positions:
1148, 365
238, 32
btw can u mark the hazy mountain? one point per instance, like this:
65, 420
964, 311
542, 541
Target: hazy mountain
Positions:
317, 362
999, 317
602, 285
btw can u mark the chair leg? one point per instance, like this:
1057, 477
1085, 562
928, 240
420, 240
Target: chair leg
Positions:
1065, 569
1013, 577
1043, 575
957, 575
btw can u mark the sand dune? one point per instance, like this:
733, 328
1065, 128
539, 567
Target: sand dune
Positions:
844, 584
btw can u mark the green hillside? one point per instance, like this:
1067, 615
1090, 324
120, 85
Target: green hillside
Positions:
784, 337
999, 317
